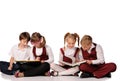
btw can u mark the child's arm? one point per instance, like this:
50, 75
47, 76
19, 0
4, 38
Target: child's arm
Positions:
61, 59
61, 64
50, 55
11, 63
79, 57
100, 56
37, 59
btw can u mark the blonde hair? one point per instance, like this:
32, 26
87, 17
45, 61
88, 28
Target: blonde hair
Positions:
74, 36
86, 40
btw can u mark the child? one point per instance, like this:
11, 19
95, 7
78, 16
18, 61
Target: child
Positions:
18, 52
95, 64
39, 52
69, 53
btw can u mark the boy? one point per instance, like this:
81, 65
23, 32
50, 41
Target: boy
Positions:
95, 64
18, 52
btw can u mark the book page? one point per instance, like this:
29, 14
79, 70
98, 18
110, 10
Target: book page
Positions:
74, 64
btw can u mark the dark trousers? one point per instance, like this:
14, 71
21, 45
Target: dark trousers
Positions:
98, 70
35, 70
4, 68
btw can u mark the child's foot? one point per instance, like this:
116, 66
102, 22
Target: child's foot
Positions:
19, 74
47, 73
86, 75
76, 74
108, 75
54, 73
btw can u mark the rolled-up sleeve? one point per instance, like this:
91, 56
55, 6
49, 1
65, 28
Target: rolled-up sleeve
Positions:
50, 55
100, 55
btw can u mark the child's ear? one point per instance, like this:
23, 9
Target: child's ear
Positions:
41, 39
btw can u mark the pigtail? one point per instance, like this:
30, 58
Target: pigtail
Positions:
43, 41
77, 37
65, 37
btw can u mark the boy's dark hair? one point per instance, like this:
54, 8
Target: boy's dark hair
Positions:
24, 35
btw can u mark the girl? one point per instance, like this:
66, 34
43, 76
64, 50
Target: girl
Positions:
18, 52
39, 52
69, 54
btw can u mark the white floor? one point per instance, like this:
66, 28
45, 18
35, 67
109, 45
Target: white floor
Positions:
4, 77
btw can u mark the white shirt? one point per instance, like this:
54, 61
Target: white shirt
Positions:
20, 54
99, 53
68, 52
39, 52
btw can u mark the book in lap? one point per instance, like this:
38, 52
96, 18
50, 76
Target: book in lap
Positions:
29, 62
73, 64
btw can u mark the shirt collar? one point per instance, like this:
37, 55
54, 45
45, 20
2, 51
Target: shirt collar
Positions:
91, 47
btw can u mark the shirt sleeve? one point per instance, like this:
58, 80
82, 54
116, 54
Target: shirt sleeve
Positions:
31, 54
28, 52
11, 53
100, 55
50, 55
80, 55
60, 56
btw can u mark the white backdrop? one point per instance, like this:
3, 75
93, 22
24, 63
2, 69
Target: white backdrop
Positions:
52, 18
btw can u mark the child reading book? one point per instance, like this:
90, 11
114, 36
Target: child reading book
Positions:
39, 52
19, 52
95, 65
67, 57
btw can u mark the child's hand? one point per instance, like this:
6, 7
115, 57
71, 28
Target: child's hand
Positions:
79, 60
42, 61
37, 59
10, 68
76, 60
89, 61
61, 64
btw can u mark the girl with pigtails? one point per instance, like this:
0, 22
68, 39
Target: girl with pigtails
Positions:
39, 52
68, 53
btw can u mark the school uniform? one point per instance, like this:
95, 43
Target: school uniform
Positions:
68, 55
98, 67
45, 54
17, 54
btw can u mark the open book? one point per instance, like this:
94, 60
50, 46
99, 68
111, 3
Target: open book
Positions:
73, 64
29, 62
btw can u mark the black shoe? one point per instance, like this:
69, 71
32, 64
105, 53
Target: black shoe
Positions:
86, 75
77, 73
108, 75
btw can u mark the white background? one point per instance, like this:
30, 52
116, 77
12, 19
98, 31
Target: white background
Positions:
53, 19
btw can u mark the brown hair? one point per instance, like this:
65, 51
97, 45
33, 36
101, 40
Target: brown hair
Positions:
24, 35
74, 36
37, 37
86, 39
